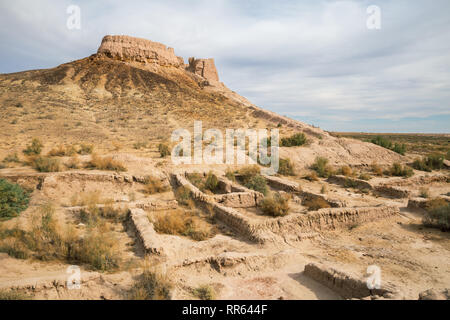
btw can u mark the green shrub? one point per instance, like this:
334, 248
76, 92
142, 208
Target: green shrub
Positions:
85, 149
12, 158
248, 172
399, 148
430, 163
365, 176
296, 140
286, 168
385, 143
34, 148
163, 150
46, 164
211, 182
13, 199
398, 170
322, 168
275, 205
257, 183
438, 217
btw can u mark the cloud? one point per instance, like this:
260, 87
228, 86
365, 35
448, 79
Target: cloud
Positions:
312, 60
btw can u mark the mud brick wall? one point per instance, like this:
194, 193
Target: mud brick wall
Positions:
282, 184
346, 285
344, 181
145, 231
239, 199
394, 192
334, 203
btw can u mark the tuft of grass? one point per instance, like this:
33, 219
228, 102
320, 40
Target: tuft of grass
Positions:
295, 140
105, 163
11, 158
377, 170
275, 205
62, 151
312, 176
204, 292
163, 150
324, 189
315, 203
212, 182
286, 168
74, 163
85, 148
346, 171
13, 199
184, 197
248, 172
35, 148
424, 192
45, 164
139, 145
365, 176
152, 285
322, 168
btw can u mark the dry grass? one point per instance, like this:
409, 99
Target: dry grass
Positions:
275, 205
204, 292
105, 163
62, 151
153, 284
45, 164
13, 295
346, 171
187, 223
154, 185
377, 170
316, 203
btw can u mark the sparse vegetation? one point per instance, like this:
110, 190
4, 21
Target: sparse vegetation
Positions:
184, 197
13, 295
212, 182
11, 158
322, 168
204, 292
154, 185
257, 183
45, 164
386, 143
312, 176
85, 148
105, 163
163, 150
13, 199
429, 163
323, 189
346, 171
438, 216
152, 285
62, 151
365, 176
275, 205
183, 222
424, 193
398, 170
35, 148
286, 168
229, 174
315, 203
295, 140
377, 170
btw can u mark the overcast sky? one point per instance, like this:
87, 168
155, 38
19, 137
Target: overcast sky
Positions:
315, 61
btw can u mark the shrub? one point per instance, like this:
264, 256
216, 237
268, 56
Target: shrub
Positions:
154, 185
105, 163
377, 170
13, 199
385, 143
257, 183
152, 285
12, 158
204, 292
229, 174
365, 176
184, 197
13, 295
211, 182
312, 176
34, 148
399, 148
62, 151
45, 164
85, 149
438, 217
346, 171
163, 150
248, 172
322, 168
296, 140
139, 145
286, 168
323, 189
430, 163
315, 203
275, 205
73, 163
398, 170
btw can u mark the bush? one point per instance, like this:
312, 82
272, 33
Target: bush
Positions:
424, 193
312, 176
13, 199
62, 151
204, 292
286, 168
13, 295
438, 217
152, 285
385, 143
399, 148
275, 205
154, 185
315, 203
257, 183
248, 172
105, 163
12, 158
322, 168
73, 163
430, 163
296, 140
398, 170
45, 164
229, 174
85, 149
211, 182
346, 171
35, 148
163, 150
377, 170
365, 176
184, 197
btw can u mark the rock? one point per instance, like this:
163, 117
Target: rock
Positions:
433, 294
204, 68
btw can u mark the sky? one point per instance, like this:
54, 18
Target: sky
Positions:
315, 60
